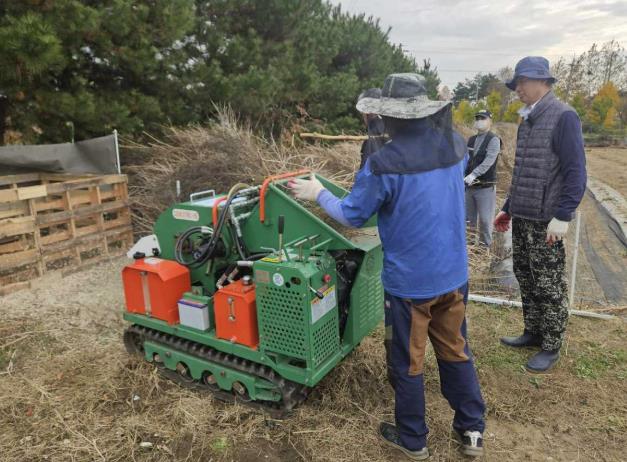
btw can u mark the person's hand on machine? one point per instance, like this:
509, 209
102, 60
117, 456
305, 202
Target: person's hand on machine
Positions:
502, 221
307, 190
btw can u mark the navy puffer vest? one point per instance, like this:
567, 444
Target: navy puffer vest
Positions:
537, 181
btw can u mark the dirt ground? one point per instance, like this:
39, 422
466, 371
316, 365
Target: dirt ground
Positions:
70, 392
602, 279
610, 166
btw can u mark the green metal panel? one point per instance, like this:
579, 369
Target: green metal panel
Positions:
281, 314
288, 324
325, 338
299, 222
366, 307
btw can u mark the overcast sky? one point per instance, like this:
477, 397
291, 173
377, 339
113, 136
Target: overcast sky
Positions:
466, 37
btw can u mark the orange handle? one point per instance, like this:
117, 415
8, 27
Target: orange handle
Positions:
214, 212
266, 183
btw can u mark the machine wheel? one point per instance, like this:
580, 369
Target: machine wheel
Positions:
133, 343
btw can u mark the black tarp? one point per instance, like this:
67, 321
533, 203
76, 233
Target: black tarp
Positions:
98, 155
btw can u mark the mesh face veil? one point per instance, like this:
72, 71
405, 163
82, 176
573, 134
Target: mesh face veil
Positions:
438, 128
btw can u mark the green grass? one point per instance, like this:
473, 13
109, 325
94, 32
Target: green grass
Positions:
503, 358
594, 362
220, 444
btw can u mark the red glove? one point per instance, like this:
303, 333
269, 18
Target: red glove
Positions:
502, 221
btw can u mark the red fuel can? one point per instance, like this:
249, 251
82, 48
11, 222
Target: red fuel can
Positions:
153, 286
236, 314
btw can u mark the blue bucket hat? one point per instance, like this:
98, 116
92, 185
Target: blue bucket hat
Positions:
532, 67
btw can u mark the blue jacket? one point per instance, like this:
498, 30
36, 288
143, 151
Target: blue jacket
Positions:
415, 185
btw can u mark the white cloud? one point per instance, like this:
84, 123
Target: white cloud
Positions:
464, 37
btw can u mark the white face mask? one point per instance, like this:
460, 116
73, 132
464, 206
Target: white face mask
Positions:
482, 125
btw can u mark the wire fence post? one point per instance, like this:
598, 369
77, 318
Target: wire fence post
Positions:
573, 274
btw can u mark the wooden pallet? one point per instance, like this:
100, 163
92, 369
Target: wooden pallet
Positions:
59, 222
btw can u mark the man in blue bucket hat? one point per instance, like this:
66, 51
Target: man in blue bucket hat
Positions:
548, 183
414, 184
534, 68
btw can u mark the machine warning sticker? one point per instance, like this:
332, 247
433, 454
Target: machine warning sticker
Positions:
320, 307
188, 215
277, 279
262, 276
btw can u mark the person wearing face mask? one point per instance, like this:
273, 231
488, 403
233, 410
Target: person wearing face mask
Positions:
548, 183
480, 176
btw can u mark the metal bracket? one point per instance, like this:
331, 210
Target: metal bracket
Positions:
231, 303
208, 192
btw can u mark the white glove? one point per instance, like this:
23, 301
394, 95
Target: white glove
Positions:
307, 190
470, 179
556, 231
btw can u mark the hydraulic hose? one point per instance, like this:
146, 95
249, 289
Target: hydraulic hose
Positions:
206, 251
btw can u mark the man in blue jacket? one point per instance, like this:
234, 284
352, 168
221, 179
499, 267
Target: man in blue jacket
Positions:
414, 184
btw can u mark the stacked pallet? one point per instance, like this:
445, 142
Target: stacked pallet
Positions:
59, 223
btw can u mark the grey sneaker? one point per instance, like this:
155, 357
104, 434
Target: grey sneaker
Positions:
389, 435
472, 443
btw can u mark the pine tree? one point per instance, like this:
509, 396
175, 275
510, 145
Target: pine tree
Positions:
98, 65
134, 65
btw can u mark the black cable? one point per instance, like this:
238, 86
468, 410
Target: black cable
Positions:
178, 247
205, 251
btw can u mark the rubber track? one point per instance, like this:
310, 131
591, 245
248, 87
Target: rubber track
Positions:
292, 393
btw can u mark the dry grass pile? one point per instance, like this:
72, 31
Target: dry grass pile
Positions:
225, 153
69, 392
217, 157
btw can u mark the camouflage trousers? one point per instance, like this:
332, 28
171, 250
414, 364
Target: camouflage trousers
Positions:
540, 271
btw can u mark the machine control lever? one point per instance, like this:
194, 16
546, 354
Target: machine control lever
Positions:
318, 294
281, 231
